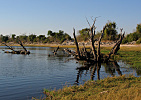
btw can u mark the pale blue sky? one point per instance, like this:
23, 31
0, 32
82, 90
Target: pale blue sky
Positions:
39, 16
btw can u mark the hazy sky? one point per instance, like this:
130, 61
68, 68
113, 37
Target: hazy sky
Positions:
39, 16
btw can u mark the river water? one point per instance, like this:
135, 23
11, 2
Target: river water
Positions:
25, 76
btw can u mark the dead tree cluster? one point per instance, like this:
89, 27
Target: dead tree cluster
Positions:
25, 51
94, 55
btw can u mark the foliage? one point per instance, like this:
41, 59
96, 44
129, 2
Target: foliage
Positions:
133, 36
111, 88
23, 38
13, 36
4, 38
41, 38
58, 36
139, 41
32, 38
110, 33
83, 34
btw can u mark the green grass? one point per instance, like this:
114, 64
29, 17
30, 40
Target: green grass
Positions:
130, 55
111, 88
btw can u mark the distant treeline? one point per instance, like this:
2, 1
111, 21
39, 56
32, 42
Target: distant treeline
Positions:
57, 37
110, 34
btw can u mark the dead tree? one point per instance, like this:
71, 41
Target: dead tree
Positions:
15, 51
76, 43
94, 56
98, 48
92, 32
116, 47
9, 47
25, 50
55, 51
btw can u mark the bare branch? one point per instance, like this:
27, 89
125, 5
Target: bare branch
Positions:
88, 22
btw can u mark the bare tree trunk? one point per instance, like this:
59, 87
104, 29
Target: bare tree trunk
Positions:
22, 45
98, 48
116, 47
25, 50
93, 47
92, 30
76, 43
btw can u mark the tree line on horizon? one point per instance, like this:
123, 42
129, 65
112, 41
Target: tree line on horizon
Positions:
56, 37
110, 34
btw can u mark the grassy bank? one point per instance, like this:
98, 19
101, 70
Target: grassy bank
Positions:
130, 54
111, 88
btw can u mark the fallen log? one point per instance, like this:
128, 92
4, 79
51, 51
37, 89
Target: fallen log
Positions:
15, 51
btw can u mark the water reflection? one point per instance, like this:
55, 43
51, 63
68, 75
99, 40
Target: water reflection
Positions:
110, 68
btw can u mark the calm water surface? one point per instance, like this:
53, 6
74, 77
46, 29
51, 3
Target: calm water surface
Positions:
25, 76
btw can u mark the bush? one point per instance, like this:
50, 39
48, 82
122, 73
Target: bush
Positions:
138, 41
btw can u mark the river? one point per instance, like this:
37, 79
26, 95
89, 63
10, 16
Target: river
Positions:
25, 76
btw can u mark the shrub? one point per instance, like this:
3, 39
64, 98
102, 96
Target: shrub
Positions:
138, 41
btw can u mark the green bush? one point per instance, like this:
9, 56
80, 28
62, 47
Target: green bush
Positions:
138, 41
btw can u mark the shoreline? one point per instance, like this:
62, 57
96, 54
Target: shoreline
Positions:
70, 46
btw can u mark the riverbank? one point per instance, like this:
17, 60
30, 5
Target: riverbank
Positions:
111, 88
70, 46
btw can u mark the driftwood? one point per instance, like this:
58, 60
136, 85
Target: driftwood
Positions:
70, 52
15, 51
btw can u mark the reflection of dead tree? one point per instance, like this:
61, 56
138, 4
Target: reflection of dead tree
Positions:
80, 71
117, 67
112, 67
95, 55
93, 72
96, 68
